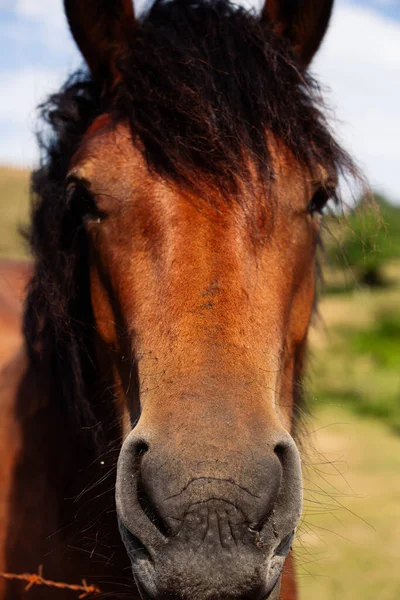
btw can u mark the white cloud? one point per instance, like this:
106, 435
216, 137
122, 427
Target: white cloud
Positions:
52, 12
360, 62
21, 92
45, 11
39, 21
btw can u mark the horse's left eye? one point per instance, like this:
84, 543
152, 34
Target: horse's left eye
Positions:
319, 201
82, 203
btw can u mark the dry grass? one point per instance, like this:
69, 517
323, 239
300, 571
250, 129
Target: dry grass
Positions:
349, 543
356, 308
14, 211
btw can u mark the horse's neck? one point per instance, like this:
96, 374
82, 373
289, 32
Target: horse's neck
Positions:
56, 501
288, 589
33, 455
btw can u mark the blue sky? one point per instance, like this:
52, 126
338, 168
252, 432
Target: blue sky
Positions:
359, 62
389, 8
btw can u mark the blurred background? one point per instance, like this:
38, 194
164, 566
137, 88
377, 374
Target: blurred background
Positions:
348, 546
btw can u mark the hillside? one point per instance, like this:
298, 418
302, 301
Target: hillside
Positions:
14, 211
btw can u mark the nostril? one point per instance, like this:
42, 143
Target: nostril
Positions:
143, 497
286, 451
141, 448
280, 451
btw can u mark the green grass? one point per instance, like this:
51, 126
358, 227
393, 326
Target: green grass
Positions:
381, 342
14, 211
364, 239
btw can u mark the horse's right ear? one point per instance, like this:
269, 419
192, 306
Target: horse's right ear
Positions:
101, 29
303, 23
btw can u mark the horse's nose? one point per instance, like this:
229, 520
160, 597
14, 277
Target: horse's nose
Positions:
206, 520
168, 486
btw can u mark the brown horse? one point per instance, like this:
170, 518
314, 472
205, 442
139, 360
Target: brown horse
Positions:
175, 225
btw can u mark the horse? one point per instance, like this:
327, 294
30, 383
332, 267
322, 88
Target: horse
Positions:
150, 417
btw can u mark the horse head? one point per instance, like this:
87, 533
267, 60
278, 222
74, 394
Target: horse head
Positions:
199, 185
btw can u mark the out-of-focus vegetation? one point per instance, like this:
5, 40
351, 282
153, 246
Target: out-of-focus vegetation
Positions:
356, 357
363, 240
355, 351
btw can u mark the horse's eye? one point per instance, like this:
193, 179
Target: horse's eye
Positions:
319, 201
82, 203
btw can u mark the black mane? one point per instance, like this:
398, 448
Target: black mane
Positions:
201, 84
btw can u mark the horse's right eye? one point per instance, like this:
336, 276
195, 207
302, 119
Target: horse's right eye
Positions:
319, 201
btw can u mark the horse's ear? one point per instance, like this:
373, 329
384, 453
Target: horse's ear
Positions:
302, 22
101, 29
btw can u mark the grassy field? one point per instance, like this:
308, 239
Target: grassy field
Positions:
349, 541
355, 351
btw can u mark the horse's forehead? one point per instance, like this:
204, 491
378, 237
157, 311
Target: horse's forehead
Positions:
110, 159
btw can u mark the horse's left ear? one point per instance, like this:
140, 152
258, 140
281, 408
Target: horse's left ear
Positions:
101, 29
302, 22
